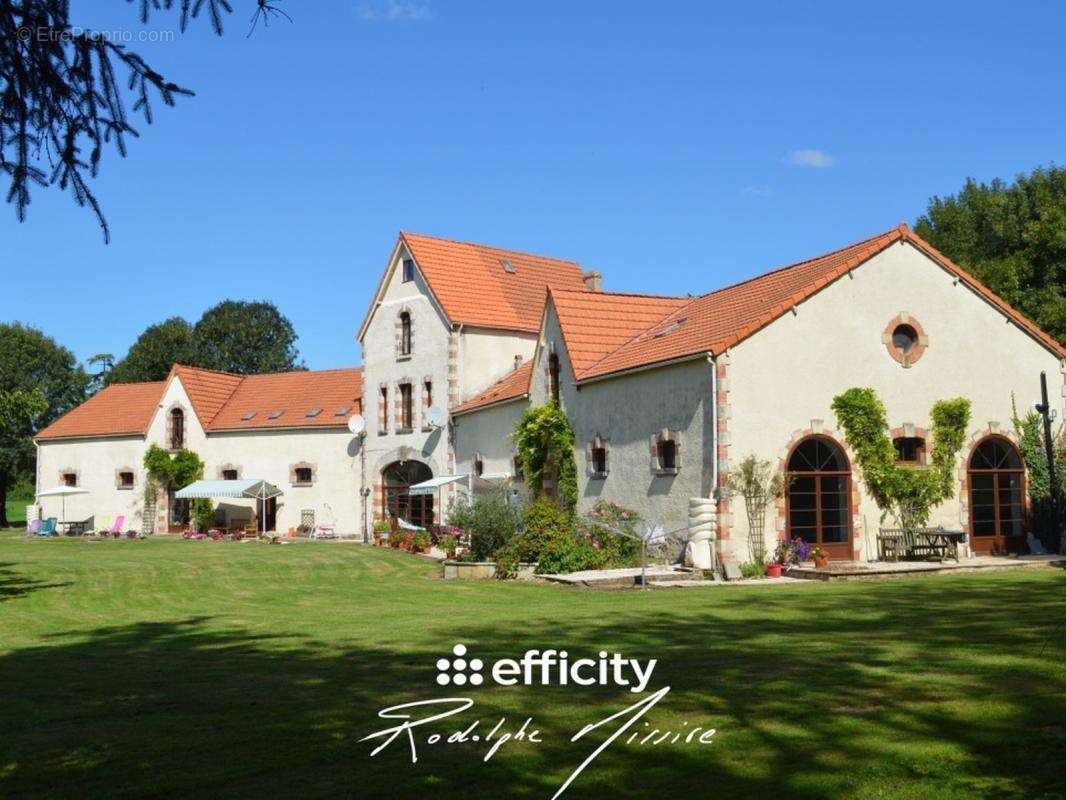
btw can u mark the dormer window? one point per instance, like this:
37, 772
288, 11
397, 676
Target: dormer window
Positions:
408, 270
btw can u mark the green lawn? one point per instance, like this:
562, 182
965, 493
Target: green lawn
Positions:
178, 669
16, 510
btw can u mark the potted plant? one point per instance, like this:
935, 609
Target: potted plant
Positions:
821, 558
420, 542
447, 543
787, 554
381, 532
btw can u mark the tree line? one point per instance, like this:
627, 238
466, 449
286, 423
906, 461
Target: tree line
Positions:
40, 379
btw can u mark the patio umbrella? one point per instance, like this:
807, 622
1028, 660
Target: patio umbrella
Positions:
62, 491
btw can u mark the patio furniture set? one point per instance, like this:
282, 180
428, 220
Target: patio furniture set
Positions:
921, 543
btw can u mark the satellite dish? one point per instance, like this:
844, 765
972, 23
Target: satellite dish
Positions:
357, 424
435, 416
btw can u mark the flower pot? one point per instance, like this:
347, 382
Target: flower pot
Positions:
821, 562
773, 571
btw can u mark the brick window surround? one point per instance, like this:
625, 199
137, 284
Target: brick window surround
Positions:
120, 483
598, 443
233, 470
909, 430
302, 474
905, 323
660, 449
69, 477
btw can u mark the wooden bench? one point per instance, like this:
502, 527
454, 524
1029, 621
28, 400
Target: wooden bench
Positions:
896, 543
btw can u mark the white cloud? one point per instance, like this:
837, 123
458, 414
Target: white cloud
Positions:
810, 158
394, 11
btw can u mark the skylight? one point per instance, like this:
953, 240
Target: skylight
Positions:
314, 412
276, 414
342, 411
508, 266
247, 415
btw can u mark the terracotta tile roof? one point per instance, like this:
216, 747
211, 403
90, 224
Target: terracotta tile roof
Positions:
220, 400
120, 409
512, 386
474, 288
716, 321
595, 324
295, 394
208, 389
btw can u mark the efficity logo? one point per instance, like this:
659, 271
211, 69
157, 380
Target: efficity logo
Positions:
546, 668
428, 723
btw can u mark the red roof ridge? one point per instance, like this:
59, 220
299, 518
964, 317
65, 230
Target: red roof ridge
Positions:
205, 369
894, 232
405, 234
612, 293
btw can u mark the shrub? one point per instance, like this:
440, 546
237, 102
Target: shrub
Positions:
382, 526
615, 550
543, 522
568, 553
420, 542
752, 569
490, 521
200, 510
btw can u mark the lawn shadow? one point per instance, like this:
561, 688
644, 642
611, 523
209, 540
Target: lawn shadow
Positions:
876, 695
14, 585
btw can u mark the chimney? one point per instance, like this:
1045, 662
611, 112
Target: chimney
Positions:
517, 360
593, 281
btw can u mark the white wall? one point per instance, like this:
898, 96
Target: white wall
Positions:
335, 455
486, 356
488, 432
628, 411
96, 462
269, 455
787, 374
429, 358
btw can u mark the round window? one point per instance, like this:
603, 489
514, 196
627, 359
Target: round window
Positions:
904, 337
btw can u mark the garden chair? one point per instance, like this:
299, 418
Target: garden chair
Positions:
48, 528
32, 528
102, 523
116, 528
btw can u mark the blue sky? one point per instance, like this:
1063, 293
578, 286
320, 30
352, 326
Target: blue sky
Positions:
676, 147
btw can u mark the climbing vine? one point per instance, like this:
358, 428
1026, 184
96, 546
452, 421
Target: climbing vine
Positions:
544, 437
173, 471
907, 493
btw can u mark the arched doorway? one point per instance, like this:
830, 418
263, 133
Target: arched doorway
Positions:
818, 496
396, 480
996, 480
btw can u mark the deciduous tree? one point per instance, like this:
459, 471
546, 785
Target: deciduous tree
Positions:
1012, 237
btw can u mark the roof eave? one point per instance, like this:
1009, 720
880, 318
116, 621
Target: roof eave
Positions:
493, 404
669, 362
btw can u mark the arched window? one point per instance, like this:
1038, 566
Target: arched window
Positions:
177, 429
405, 334
995, 477
397, 480
553, 377
819, 487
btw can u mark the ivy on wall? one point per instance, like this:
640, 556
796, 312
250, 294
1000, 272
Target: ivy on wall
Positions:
907, 493
543, 436
177, 470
